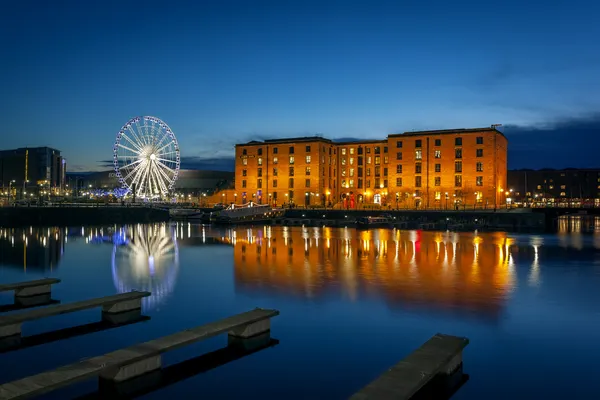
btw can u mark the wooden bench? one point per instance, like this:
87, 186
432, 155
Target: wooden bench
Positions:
30, 288
10, 325
434, 367
138, 359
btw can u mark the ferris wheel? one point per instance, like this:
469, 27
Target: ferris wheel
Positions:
146, 157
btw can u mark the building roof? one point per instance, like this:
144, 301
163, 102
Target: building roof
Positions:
446, 132
286, 140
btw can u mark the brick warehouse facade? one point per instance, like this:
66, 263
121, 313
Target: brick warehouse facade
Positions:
427, 169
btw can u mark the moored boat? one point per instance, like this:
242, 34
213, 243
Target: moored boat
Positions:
373, 222
249, 213
185, 213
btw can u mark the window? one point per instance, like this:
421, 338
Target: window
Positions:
259, 171
385, 183
291, 149
399, 144
399, 168
291, 183
417, 181
259, 151
399, 155
307, 171
377, 160
351, 150
377, 184
368, 159
360, 183
244, 183
259, 160
457, 180
398, 182
438, 195
259, 183
275, 160
479, 197
377, 150
438, 142
368, 171
458, 166
307, 183
417, 168
291, 171
479, 153
539, 187
244, 152
308, 159
275, 151
343, 151
438, 154
551, 186
458, 153
274, 171
458, 141
418, 154
275, 183
479, 180
563, 186
385, 172
244, 161
438, 167
479, 140
438, 181
479, 167
359, 152
351, 160
418, 143
563, 194
244, 172
308, 149
377, 171
385, 149
351, 171
368, 183
351, 183
343, 171
291, 159
385, 159
368, 150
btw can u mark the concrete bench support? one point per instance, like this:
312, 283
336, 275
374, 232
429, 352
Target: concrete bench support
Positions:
432, 371
136, 361
30, 288
10, 325
253, 329
133, 370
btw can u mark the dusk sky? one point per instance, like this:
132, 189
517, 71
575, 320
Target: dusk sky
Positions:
223, 72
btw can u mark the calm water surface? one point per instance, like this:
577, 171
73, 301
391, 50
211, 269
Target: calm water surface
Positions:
352, 304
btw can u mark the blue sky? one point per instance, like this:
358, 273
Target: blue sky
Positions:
222, 72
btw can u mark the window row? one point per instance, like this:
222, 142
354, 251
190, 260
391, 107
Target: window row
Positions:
438, 142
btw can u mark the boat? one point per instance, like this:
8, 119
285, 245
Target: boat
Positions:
373, 222
248, 213
185, 213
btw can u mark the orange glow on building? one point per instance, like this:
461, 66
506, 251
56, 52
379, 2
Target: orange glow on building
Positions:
429, 169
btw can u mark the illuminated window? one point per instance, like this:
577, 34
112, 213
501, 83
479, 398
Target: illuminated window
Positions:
291, 172
351, 171
275, 160
438, 181
385, 159
399, 168
368, 159
351, 150
539, 187
479, 197
438, 154
343, 171
438, 195
308, 159
377, 160
275, 171
351, 160
343, 160
551, 186
563, 194
244, 161
368, 171
343, 151
457, 180
479, 167
307, 171
351, 183
479, 180
418, 154
563, 186
291, 159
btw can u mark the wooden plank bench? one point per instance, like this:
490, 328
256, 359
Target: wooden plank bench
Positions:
434, 367
30, 288
10, 325
138, 359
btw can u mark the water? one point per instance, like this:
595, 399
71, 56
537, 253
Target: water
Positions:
352, 304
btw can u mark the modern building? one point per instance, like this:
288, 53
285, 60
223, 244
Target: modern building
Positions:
38, 168
426, 169
559, 187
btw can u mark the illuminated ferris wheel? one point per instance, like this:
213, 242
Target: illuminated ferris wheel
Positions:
146, 157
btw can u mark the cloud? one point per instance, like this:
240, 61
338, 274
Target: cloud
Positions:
571, 142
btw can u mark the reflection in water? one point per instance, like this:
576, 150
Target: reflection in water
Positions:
145, 258
38, 248
446, 271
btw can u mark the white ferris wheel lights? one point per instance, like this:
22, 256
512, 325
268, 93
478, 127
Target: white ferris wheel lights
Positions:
146, 157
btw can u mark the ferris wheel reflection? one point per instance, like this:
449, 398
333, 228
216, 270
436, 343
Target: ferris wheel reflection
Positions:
146, 258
